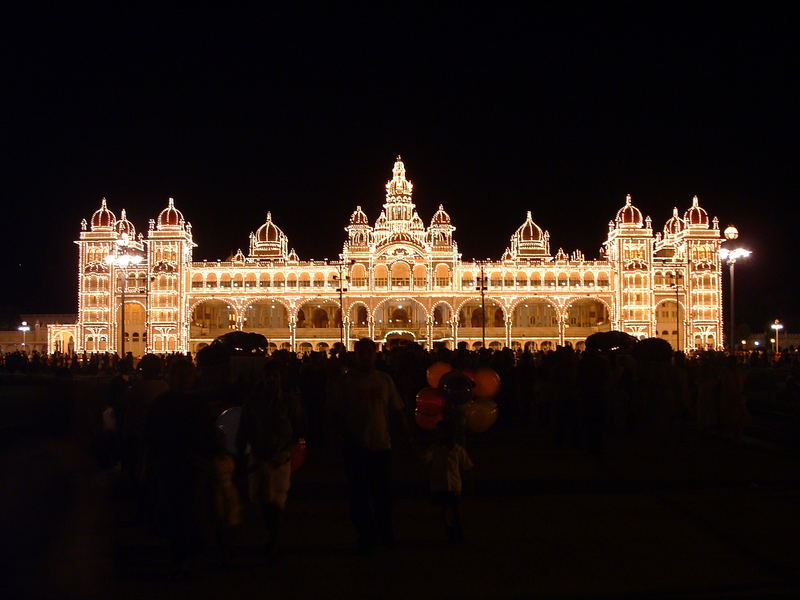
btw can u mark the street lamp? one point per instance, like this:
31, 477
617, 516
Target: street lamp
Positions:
122, 259
776, 327
731, 256
481, 287
342, 280
24, 328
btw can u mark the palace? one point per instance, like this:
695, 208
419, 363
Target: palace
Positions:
395, 279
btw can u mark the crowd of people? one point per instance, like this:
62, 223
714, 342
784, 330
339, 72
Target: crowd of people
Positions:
191, 477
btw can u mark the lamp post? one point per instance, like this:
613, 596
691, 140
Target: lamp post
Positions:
342, 279
121, 259
731, 256
24, 328
776, 327
481, 287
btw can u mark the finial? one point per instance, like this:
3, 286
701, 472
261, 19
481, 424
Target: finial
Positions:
122, 215
269, 215
675, 211
84, 224
398, 158
441, 207
171, 202
627, 199
358, 207
528, 216
695, 200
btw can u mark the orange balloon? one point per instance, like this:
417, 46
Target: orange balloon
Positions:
481, 415
435, 372
487, 383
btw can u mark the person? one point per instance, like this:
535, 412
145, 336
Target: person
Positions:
182, 444
448, 459
363, 402
265, 433
140, 398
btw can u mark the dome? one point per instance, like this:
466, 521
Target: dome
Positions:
529, 231
629, 215
440, 217
124, 226
269, 232
170, 217
102, 217
696, 216
674, 224
358, 217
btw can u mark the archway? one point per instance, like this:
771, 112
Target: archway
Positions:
534, 320
669, 323
401, 313
135, 333
212, 318
586, 316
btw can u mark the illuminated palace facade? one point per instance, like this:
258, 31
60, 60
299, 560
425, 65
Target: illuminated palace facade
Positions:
398, 279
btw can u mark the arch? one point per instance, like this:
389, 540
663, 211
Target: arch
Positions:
574, 279
470, 312
318, 313
536, 279
535, 312
406, 300
305, 348
250, 280
441, 313
420, 274
585, 316
550, 279
263, 314
562, 279
442, 275
522, 279
211, 318
381, 275
358, 314
401, 274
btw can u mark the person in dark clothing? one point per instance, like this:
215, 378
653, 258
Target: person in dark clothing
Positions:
182, 443
265, 434
363, 401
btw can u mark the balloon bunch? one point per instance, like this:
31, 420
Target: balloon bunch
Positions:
471, 392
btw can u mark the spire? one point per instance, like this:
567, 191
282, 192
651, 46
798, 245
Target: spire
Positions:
398, 185
627, 199
269, 215
103, 203
695, 200
171, 203
122, 215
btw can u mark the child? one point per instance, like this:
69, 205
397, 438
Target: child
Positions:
447, 460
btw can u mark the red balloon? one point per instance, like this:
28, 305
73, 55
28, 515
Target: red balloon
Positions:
430, 402
435, 372
487, 383
428, 422
481, 415
469, 373
299, 452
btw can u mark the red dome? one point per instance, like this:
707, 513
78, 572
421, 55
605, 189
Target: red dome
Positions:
696, 216
440, 217
170, 216
269, 232
674, 224
102, 217
358, 217
529, 231
629, 215
125, 226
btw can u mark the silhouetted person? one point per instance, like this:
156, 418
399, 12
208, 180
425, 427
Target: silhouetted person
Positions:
265, 433
448, 459
364, 400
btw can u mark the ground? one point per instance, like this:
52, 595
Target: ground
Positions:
703, 518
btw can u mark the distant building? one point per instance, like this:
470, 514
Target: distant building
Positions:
37, 338
404, 280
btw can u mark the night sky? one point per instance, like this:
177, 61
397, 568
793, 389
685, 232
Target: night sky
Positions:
494, 111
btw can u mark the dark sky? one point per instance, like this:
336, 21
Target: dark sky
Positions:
495, 111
